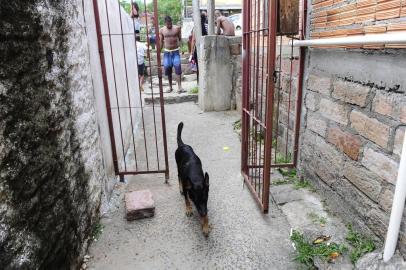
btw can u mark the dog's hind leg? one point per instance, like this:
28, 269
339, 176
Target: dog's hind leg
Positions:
180, 186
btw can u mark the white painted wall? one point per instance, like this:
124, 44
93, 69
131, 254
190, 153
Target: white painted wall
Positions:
126, 95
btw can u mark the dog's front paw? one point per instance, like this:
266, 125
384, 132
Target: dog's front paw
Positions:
189, 211
206, 230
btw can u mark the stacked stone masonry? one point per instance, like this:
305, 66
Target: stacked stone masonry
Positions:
351, 137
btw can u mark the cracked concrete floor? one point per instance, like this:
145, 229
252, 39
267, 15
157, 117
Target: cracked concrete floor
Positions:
241, 237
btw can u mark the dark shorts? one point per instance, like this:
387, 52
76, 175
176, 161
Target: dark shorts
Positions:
141, 69
172, 59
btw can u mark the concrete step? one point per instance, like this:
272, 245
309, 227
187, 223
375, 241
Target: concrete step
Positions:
172, 98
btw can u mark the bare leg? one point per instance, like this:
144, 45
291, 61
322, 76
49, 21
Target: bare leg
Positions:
170, 82
179, 80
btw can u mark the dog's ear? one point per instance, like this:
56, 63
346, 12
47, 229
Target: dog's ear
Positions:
206, 179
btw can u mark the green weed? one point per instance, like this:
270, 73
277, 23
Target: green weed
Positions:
298, 184
194, 90
316, 219
361, 244
306, 251
97, 231
237, 125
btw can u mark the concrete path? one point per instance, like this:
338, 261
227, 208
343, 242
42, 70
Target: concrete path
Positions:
241, 237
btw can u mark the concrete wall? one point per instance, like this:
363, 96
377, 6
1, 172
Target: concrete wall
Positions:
220, 73
353, 126
52, 176
125, 70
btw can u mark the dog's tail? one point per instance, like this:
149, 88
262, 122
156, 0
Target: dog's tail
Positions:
179, 136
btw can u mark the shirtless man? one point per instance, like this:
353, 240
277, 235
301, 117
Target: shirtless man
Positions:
171, 37
225, 24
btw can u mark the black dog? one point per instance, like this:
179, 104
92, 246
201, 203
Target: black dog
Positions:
192, 183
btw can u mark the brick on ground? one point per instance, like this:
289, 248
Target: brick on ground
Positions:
139, 204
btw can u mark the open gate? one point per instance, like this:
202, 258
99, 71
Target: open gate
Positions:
137, 131
272, 90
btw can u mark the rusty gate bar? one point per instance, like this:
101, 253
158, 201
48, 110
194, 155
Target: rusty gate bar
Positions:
134, 112
105, 84
161, 95
272, 95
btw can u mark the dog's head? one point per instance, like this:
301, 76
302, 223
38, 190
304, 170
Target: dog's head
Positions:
200, 194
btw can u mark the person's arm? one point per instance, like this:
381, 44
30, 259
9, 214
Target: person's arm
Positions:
180, 36
218, 22
193, 42
161, 40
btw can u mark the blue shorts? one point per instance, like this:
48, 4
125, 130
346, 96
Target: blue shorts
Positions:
172, 59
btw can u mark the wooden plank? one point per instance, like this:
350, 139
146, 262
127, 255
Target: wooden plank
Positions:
288, 17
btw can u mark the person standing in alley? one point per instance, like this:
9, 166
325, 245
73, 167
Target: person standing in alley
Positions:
170, 37
224, 25
135, 15
141, 50
193, 52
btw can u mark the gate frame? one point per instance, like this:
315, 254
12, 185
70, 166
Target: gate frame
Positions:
117, 171
246, 114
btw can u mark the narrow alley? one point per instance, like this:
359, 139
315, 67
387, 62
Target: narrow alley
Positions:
241, 236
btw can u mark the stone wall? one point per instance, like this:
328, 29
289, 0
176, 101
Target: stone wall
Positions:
220, 73
354, 120
51, 165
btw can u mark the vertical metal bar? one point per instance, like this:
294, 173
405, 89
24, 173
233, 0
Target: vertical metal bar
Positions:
289, 97
115, 83
300, 84
269, 113
105, 85
262, 90
139, 92
258, 33
279, 92
128, 87
161, 96
152, 89
245, 86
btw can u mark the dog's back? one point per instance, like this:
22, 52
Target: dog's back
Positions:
185, 154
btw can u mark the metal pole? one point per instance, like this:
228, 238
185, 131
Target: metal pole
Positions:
269, 108
210, 14
398, 38
397, 208
198, 26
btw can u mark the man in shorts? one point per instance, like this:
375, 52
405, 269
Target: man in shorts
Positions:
170, 36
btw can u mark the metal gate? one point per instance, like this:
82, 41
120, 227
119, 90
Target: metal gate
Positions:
272, 92
137, 131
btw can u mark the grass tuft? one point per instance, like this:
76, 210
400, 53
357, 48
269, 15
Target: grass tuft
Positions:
97, 230
194, 90
306, 251
361, 244
316, 219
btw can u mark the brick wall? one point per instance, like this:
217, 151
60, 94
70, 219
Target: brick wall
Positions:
340, 18
352, 131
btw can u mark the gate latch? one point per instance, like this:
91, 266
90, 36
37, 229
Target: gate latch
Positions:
275, 75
